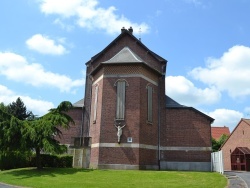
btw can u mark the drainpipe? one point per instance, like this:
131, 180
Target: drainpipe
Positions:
85, 110
159, 123
82, 128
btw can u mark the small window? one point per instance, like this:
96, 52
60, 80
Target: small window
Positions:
150, 104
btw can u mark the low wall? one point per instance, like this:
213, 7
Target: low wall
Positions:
81, 157
186, 166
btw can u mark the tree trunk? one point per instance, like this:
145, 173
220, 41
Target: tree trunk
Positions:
38, 159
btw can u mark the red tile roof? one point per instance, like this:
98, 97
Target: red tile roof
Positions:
218, 131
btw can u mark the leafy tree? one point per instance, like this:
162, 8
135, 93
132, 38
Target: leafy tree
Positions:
10, 132
29, 132
216, 144
3, 107
40, 133
18, 109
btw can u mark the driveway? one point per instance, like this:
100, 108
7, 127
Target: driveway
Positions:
238, 179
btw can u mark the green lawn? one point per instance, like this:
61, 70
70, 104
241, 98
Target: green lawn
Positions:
70, 177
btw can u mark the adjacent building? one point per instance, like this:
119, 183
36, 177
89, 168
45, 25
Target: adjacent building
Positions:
236, 149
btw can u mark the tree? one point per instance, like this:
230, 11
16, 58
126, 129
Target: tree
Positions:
3, 107
40, 133
18, 109
10, 132
216, 144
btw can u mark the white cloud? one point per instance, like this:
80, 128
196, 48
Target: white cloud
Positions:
67, 27
90, 15
226, 117
45, 45
38, 107
228, 73
184, 92
15, 67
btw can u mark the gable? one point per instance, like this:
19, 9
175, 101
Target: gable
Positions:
239, 132
126, 47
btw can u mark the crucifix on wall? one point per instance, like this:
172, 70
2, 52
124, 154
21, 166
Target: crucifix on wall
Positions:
119, 131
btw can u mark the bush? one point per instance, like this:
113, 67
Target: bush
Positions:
14, 159
57, 161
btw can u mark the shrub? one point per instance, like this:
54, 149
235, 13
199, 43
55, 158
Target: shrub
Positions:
58, 161
14, 159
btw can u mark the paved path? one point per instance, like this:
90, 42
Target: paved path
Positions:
238, 179
2, 185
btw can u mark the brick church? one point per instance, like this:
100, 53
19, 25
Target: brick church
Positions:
127, 122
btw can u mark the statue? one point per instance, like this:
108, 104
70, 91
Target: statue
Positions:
119, 131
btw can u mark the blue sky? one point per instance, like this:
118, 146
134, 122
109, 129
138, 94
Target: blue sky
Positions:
44, 45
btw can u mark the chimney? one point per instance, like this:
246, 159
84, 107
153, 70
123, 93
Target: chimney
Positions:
130, 30
123, 29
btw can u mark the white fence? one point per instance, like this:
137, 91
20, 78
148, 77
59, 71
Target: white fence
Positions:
217, 162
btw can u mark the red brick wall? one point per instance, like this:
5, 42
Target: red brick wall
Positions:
186, 128
74, 130
240, 137
104, 131
122, 42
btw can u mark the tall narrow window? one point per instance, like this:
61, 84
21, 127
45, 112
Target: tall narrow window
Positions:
95, 104
120, 100
150, 104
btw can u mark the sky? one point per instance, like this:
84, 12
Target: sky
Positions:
44, 45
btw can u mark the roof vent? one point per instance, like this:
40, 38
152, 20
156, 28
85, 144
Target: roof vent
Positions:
130, 30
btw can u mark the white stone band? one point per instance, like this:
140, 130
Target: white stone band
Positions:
145, 146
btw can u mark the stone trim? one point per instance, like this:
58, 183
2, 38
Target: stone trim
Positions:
126, 76
127, 167
145, 146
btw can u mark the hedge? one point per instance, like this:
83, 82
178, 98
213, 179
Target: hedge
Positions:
57, 161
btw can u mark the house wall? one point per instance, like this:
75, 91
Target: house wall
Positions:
187, 144
238, 138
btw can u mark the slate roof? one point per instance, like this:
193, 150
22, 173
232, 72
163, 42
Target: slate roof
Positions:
79, 104
126, 55
171, 103
217, 132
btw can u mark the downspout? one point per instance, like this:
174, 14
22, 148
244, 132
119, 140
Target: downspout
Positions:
85, 109
82, 128
159, 124
89, 110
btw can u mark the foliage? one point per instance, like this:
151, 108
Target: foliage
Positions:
216, 144
3, 107
56, 161
70, 177
10, 132
30, 133
18, 109
41, 132
14, 159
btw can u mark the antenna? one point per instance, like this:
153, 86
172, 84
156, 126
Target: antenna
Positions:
139, 34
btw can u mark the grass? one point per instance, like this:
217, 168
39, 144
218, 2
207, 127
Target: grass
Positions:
70, 177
